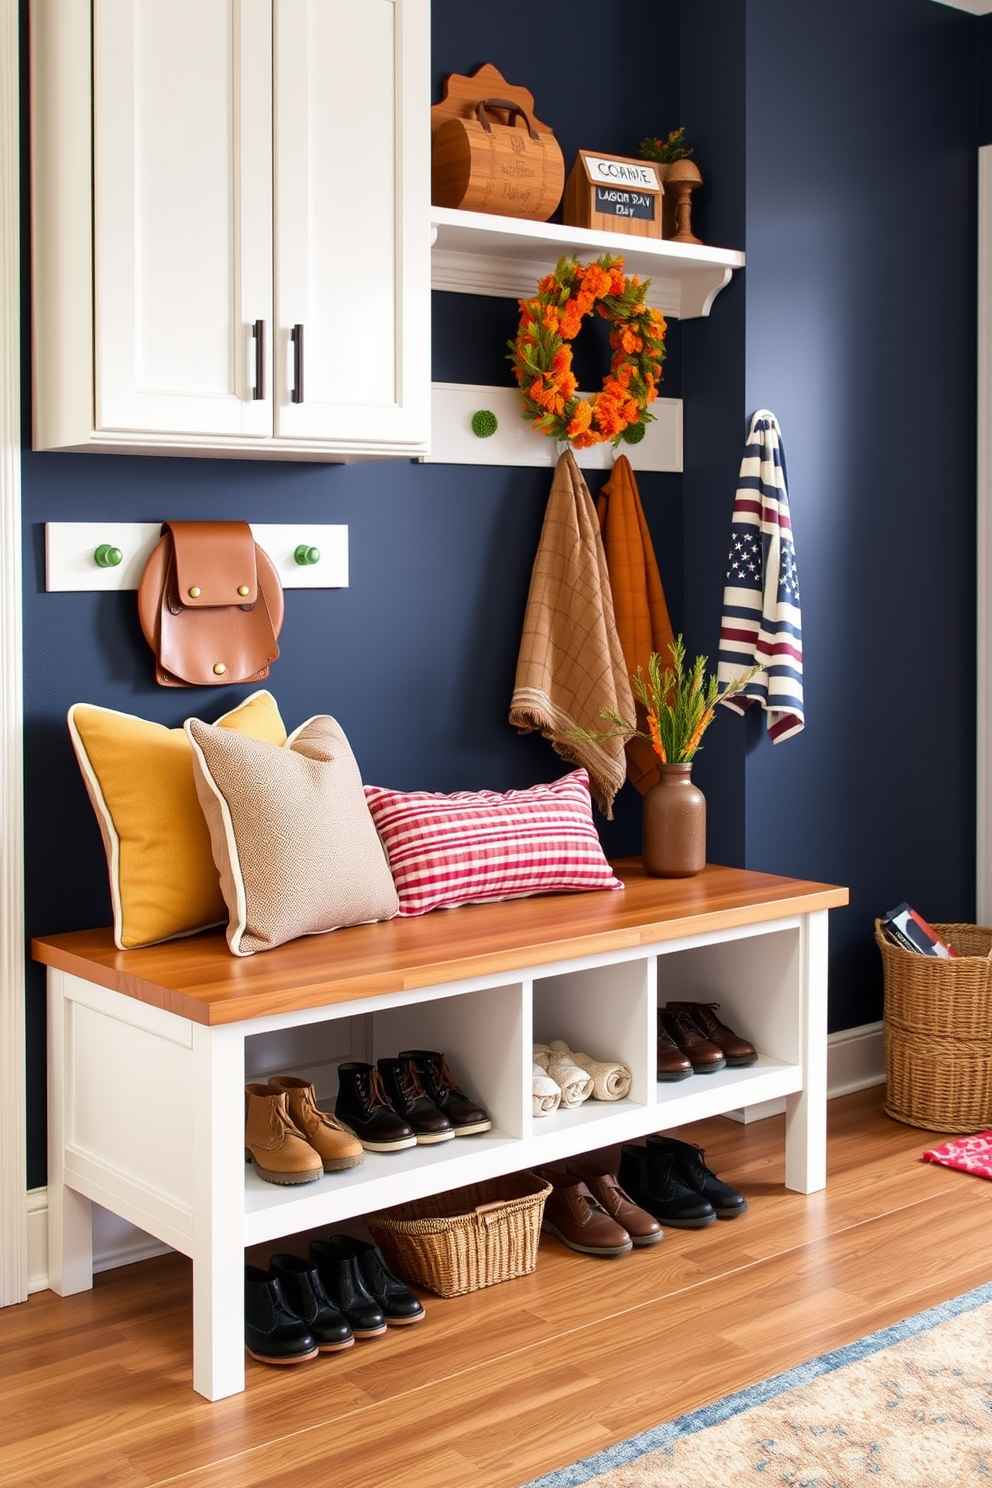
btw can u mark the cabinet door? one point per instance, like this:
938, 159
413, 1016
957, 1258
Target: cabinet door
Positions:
352, 221
182, 214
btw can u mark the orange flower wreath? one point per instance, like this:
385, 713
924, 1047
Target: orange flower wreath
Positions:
542, 357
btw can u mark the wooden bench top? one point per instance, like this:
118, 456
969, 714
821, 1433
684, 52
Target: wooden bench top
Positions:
198, 978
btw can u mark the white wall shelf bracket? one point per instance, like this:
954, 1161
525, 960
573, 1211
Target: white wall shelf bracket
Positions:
477, 253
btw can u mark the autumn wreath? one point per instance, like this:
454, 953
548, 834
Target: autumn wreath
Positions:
542, 357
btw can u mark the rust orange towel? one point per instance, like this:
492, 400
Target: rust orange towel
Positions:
638, 597
571, 663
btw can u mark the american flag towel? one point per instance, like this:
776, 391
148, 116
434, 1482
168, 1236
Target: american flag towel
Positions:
761, 623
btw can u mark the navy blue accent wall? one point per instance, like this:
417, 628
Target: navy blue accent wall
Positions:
855, 317
713, 83
984, 78
860, 336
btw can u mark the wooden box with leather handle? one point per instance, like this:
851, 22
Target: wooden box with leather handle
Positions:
210, 605
484, 165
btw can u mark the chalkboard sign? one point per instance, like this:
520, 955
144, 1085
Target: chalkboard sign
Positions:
615, 193
613, 202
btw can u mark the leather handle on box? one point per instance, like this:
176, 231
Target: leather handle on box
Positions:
514, 111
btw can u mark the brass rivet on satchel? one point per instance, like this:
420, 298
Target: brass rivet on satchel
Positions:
194, 593
243, 589
219, 668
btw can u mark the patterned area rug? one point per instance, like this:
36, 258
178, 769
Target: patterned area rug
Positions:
908, 1407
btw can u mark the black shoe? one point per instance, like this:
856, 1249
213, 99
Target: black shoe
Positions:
304, 1291
410, 1100
399, 1305
274, 1334
649, 1178
691, 1170
362, 1107
465, 1116
344, 1285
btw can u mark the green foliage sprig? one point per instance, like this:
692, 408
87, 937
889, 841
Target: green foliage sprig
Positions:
666, 151
680, 703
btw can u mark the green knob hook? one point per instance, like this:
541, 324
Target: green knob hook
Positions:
107, 556
305, 555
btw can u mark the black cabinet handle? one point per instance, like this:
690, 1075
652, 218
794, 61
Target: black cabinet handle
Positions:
297, 339
258, 331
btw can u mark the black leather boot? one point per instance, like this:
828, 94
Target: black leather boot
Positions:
304, 1291
362, 1107
343, 1283
399, 1305
691, 1170
410, 1100
274, 1334
648, 1177
432, 1068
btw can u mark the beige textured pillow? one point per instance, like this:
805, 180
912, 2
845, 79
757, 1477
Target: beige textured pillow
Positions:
292, 836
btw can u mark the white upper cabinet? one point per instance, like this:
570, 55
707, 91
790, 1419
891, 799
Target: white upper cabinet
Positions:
244, 269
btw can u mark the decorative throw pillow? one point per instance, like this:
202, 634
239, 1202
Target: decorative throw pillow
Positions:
139, 778
476, 846
292, 836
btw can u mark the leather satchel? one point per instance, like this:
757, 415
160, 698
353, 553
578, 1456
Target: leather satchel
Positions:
210, 605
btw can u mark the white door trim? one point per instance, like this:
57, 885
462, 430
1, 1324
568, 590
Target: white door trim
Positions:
983, 794
13, 1183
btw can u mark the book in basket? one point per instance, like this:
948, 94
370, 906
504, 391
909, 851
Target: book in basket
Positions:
910, 930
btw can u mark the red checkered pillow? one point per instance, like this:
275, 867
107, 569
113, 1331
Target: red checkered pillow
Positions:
475, 846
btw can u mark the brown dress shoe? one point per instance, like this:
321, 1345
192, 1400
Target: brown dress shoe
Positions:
701, 1054
672, 1063
738, 1051
641, 1226
279, 1152
337, 1148
578, 1220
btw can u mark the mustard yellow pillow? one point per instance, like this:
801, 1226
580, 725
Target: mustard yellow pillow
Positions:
139, 777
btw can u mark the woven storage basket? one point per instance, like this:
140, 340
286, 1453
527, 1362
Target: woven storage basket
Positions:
938, 1032
467, 1238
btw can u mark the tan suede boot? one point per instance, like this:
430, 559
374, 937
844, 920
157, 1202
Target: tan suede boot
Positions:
277, 1150
336, 1147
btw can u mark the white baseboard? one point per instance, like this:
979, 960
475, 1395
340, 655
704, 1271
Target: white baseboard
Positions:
855, 1060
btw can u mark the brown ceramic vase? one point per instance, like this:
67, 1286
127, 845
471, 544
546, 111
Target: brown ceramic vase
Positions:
674, 843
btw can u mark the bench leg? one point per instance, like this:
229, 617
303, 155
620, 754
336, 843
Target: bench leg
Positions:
806, 1112
218, 1210
70, 1225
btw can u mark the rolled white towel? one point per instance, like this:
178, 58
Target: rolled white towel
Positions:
610, 1078
542, 1054
547, 1095
576, 1086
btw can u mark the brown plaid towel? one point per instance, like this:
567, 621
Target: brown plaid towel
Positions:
571, 664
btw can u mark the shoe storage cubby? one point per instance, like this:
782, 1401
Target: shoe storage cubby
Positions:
177, 1030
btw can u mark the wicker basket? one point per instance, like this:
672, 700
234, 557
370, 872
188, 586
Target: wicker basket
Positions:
467, 1238
938, 1032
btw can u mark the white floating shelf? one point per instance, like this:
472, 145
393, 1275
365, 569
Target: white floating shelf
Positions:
516, 443
70, 547
476, 253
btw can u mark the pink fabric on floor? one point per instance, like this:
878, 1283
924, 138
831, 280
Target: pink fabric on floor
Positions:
970, 1154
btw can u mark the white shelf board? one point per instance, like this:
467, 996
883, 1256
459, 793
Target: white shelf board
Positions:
515, 442
71, 566
477, 253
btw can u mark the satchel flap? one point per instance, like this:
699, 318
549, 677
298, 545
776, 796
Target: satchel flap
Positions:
214, 563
